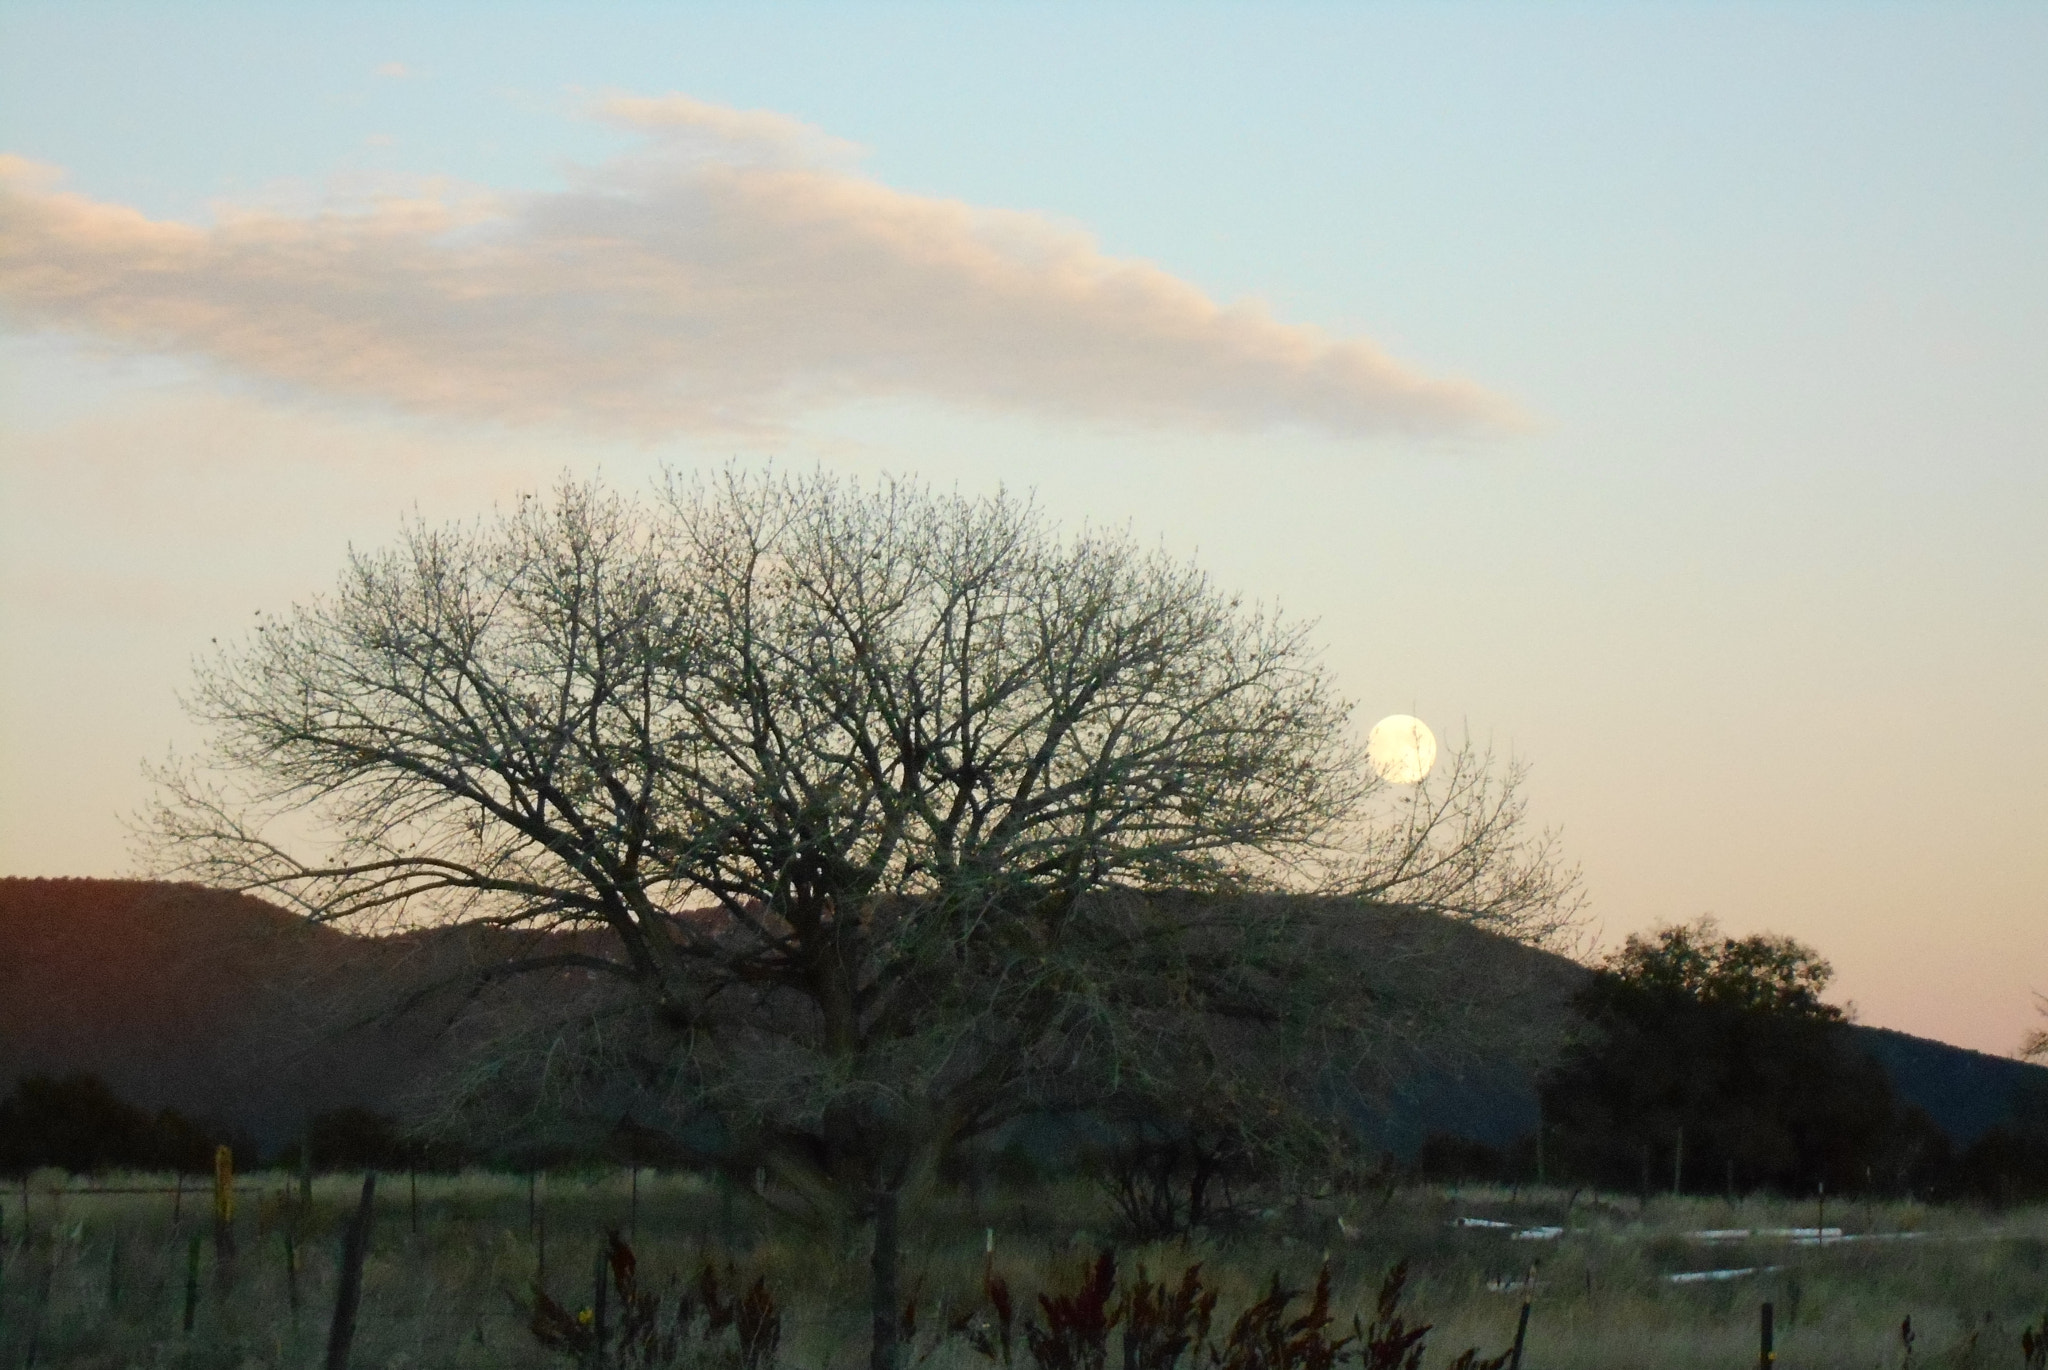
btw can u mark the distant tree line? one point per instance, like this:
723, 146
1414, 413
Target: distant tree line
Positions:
1160, 1181
79, 1124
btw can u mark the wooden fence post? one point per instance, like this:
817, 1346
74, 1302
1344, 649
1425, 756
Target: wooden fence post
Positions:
1768, 1355
223, 1220
1522, 1326
354, 1251
291, 1270
39, 1308
598, 1312
191, 1281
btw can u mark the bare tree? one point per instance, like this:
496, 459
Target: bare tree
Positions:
826, 809
2034, 1046
1459, 844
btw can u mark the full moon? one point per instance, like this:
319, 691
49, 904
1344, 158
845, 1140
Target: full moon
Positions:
1401, 748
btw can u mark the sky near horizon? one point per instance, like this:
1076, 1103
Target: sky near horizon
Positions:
1660, 392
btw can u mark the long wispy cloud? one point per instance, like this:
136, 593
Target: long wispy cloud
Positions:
731, 273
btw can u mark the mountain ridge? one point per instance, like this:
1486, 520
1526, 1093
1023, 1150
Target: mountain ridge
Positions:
225, 1006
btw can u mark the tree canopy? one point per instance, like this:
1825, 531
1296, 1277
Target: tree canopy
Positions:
1762, 973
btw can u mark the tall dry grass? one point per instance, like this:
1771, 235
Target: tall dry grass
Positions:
100, 1279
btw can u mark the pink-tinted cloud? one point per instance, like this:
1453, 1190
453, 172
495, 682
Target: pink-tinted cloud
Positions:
730, 274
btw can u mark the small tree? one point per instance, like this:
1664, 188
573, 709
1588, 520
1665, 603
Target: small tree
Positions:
2034, 1046
1726, 1043
828, 813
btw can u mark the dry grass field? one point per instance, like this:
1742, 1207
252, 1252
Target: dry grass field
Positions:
102, 1279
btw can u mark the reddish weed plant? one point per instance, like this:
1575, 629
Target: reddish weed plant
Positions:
748, 1326
1167, 1327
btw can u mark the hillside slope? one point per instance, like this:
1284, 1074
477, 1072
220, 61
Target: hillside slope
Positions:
1967, 1093
219, 1005
231, 1009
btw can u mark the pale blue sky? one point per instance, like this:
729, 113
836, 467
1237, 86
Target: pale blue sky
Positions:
1763, 595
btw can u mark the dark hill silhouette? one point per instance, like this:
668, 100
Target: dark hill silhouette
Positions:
228, 1008
216, 1004
1967, 1093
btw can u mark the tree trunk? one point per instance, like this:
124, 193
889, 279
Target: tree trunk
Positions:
1198, 1191
884, 1349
